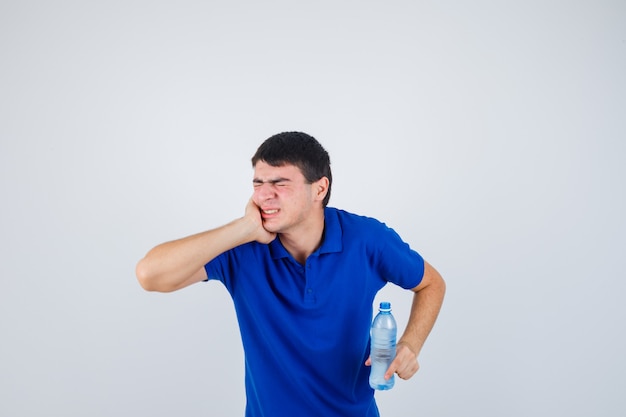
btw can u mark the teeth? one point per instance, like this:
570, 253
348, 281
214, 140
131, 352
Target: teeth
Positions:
270, 211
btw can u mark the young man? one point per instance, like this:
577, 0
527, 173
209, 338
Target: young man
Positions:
303, 278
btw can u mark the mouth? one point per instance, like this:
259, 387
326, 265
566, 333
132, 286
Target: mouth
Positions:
269, 212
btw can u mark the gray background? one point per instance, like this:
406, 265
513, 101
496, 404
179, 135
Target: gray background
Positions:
489, 134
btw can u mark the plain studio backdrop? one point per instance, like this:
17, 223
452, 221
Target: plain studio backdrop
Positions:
491, 135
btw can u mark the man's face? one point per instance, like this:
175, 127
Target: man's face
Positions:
285, 198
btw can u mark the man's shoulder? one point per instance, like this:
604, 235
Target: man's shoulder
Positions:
344, 214
349, 219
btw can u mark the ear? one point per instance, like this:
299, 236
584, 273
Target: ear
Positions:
320, 188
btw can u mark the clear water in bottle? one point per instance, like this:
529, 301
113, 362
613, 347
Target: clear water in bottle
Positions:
383, 347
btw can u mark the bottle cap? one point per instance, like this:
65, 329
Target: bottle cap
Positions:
385, 305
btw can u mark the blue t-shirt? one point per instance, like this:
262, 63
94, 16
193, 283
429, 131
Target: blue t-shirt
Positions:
305, 328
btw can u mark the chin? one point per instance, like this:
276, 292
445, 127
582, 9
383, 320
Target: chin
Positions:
272, 228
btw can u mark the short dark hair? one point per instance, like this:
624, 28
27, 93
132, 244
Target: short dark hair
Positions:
301, 150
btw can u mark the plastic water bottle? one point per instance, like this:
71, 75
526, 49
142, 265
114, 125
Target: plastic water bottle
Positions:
383, 347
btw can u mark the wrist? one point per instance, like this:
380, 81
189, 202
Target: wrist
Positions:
409, 345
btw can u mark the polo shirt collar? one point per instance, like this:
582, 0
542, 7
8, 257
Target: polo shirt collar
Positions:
332, 237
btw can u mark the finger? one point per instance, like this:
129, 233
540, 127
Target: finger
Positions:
409, 365
393, 368
404, 365
408, 369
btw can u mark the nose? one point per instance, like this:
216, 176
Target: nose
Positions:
264, 191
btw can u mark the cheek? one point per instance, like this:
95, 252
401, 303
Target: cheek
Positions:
259, 197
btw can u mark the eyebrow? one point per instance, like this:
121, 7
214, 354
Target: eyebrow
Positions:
272, 181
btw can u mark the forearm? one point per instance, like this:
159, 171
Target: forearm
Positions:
173, 265
427, 301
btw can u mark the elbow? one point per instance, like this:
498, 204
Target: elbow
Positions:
150, 280
142, 275
440, 284
432, 280
145, 277
440, 288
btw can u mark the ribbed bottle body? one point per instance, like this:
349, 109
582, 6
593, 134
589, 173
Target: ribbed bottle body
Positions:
383, 347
